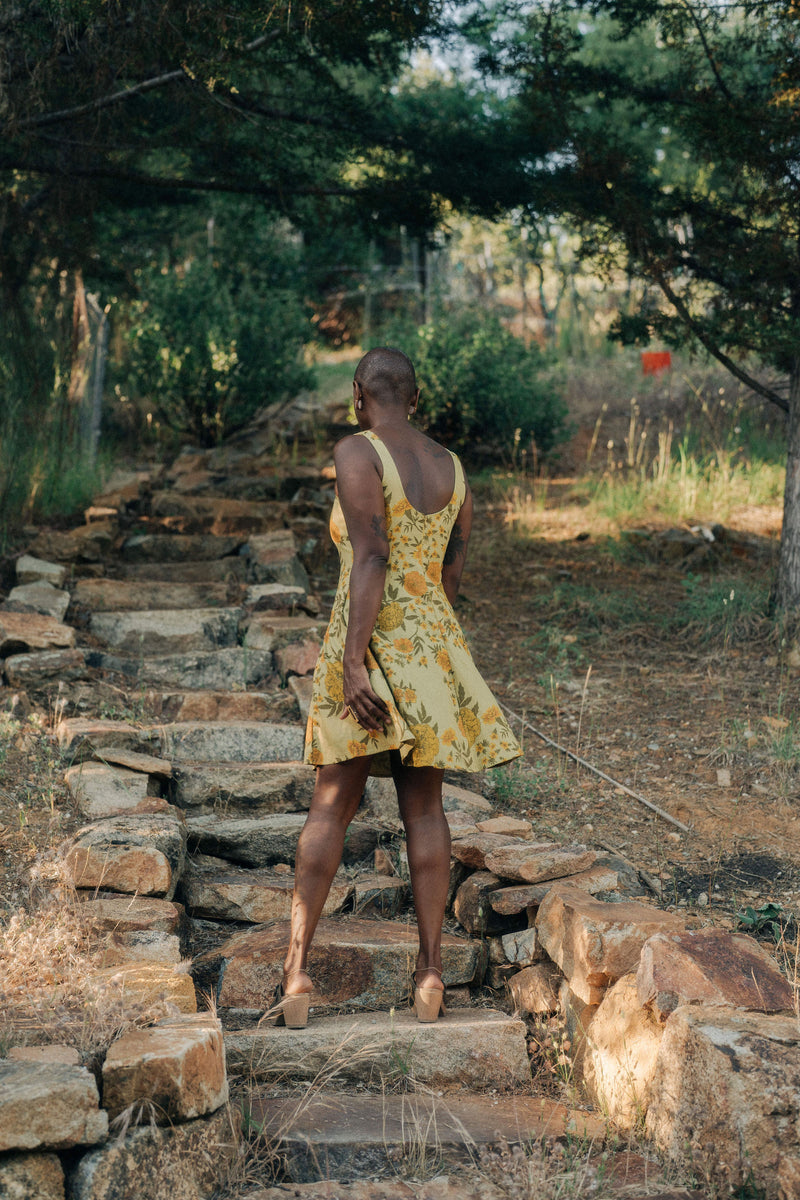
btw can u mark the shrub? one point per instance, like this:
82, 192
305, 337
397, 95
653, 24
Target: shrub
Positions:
209, 345
482, 388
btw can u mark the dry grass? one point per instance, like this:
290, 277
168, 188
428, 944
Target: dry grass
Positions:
50, 993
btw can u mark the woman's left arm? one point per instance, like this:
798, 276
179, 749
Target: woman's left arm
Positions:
360, 490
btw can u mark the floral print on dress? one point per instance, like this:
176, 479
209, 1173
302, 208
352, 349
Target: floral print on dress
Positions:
442, 712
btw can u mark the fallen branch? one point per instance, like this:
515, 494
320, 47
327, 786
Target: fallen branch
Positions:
647, 879
596, 770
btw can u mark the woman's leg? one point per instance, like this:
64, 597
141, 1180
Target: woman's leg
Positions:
419, 795
337, 794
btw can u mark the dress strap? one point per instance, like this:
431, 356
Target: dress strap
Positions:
387, 461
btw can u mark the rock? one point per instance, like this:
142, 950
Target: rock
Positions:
125, 915
141, 855
167, 631
621, 1050
79, 738
146, 764
36, 570
471, 906
184, 1162
177, 548
222, 570
593, 943
248, 841
540, 861
230, 741
263, 841
470, 1050
263, 596
472, 851
511, 900
210, 706
536, 989
42, 597
511, 826
140, 946
522, 947
86, 544
354, 963
226, 894
124, 595
218, 515
299, 659
380, 802
268, 631
100, 790
301, 688
726, 1093
49, 1105
23, 632
177, 1066
273, 559
379, 895
45, 667
66, 1055
710, 966
31, 1177
265, 787
465, 800
213, 670
577, 1017
158, 986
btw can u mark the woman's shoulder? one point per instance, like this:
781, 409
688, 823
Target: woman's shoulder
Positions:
354, 450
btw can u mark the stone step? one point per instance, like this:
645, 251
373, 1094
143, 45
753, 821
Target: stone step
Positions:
468, 1050
355, 963
210, 705
213, 889
339, 1135
228, 741
269, 839
219, 515
167, 631
126, 595
248, 787
178, 548
199, 670
229, 569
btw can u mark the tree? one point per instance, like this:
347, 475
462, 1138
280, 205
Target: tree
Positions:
672, 136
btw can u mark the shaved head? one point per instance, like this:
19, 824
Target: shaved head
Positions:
387, 375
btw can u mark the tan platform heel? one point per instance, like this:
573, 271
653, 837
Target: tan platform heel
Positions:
428, 1002
291, 1011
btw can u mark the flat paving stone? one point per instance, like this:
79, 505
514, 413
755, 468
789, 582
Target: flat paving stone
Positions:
220, 570
248, 787
355, 963
229, 741
116, 595
177, 548
468, 1050
228, 667
364, 1135
167, 631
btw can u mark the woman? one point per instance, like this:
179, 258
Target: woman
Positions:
395, 688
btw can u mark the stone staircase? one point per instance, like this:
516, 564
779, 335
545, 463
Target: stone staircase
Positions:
182, 673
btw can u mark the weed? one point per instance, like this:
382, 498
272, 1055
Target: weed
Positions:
757, 920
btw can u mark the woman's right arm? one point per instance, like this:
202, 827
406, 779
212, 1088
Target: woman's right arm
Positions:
456, 552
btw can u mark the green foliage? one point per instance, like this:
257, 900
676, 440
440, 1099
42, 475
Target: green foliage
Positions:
208, 345
757, 920
481, 387
720, 609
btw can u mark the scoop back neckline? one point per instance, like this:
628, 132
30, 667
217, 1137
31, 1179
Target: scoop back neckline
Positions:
438, 512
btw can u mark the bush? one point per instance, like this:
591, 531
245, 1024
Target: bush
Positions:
482, 389
209, 345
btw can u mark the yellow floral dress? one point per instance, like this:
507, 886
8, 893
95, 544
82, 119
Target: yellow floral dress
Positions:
442, 712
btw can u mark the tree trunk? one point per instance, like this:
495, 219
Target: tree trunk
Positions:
787, 591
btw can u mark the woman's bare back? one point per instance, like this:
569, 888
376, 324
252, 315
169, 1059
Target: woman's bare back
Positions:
426, 469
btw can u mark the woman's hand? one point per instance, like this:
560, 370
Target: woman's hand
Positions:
361, 702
